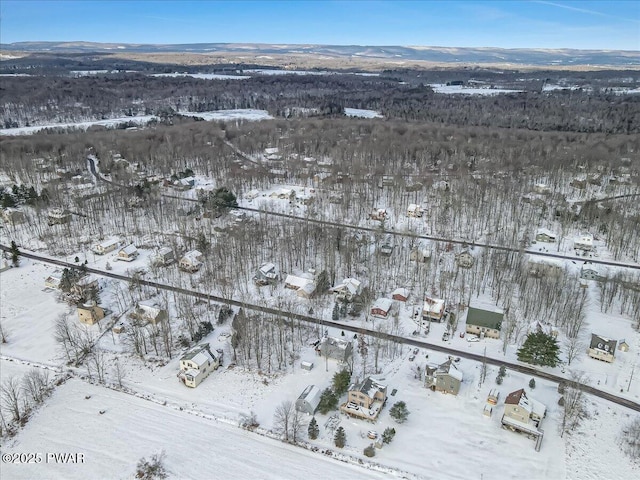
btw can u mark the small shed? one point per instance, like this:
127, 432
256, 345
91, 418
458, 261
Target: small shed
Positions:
623, 346
306, 365
308, 400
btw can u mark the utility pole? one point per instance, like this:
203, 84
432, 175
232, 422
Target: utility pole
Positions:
631, 377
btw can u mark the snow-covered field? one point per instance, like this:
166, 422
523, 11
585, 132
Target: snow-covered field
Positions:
217, 115
131, 428
461, 89
203, 76
362, 113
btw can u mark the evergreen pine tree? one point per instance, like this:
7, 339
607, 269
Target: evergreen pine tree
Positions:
340, 438
15, 254
532, 383
341, 381
539, 349
388, 434
328, 401
399, 412
313, 429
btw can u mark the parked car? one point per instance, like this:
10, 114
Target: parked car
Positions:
415, 351
445, 336
412, 357
472, 338
372, 435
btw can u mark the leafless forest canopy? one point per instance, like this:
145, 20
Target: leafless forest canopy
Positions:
488, 151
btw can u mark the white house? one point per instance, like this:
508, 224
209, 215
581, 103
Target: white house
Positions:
414, 210
197, 364
191, 261
583, 242
349, 288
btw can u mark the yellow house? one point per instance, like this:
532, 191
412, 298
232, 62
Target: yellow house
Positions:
90, 314
365, 399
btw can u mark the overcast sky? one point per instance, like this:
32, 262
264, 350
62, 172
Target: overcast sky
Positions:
507, 24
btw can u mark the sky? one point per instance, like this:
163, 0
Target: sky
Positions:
609, 25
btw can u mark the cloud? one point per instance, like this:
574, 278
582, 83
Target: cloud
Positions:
584, 10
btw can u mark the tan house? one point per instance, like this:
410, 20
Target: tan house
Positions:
602, 348
196, 365
106, 246
191, 261
433, 310
484, 323
420, 255
443, 378
524, 414
305, 287
53, 280
128, 253
90, 314
365, 399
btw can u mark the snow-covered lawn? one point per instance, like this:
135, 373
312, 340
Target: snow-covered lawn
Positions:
131, 428
29, 312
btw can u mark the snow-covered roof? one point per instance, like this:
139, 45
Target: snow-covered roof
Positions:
199, 355
108, 243
413, 207
86, 280
352, 285
297, 282
520, 398
165, 251
545, 231
268, 269
193, 257
433, 305
129, 249
383, 304
312, 395
150, 307
401, 291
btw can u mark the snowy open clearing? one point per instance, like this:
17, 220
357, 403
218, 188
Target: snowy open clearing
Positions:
461, 89
132, 428
217, 115
362, 113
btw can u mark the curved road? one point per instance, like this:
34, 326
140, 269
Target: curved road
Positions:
528, 370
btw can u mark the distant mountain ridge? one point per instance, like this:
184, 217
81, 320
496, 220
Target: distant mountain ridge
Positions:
488, 55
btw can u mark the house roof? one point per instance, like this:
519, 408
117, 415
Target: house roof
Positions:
352, 285
297, 282
312, 395
165, 251
199, 355
368, 386
433, 305
108, 243
448, 368
520, 398
193, 257
383, 304
544, 231
401, 291
602, 343
268, 268
129, 249
484, 318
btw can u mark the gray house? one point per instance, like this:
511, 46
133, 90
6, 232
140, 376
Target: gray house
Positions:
602, 348
308, 400
443, 378
335, 348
